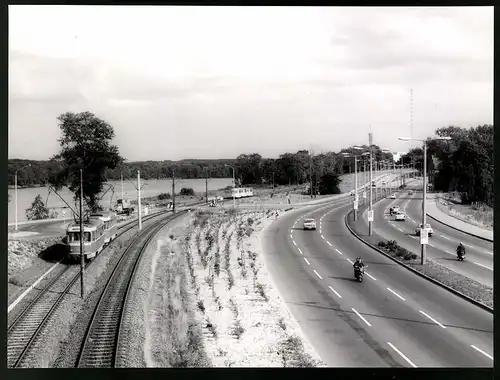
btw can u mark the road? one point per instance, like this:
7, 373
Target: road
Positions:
394, 318
478, 264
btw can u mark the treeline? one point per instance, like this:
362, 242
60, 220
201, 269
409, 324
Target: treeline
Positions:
289, 168
463, 164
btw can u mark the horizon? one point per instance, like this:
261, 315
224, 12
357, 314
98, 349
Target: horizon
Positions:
321, 81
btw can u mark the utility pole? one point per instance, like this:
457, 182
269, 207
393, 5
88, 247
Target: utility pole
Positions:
206, 185
310, 175
122, 185
370, 213
424, 207
82, 246
139, 197
173, 191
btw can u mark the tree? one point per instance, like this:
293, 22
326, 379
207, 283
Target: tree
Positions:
329, 184
85, 144
37, 210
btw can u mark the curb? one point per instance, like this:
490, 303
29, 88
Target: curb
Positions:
446, 287
458, 229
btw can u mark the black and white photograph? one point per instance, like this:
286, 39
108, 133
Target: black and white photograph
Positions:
250, 187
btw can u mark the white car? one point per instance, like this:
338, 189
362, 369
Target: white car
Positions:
394, 210
309, 224
400, 216
393, 196
430, 231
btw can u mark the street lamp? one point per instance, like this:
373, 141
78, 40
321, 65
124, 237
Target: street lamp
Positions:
423, 230
355, 205
234, 185
15, 188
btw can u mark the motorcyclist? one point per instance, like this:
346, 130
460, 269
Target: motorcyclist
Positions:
460, 250
358, 264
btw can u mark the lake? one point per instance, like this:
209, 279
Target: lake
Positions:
151, 188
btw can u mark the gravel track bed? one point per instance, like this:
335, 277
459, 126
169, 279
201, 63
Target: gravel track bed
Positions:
74, 314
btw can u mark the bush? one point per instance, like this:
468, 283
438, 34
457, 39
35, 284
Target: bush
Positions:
163, 196
37, 211
187, 191
382, 244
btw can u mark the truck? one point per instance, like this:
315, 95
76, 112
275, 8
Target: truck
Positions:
123, 206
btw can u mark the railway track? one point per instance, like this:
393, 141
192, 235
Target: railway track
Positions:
27, 326
101, 341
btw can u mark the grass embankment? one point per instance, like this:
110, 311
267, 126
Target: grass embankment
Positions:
211, 303
456, 281
480, 216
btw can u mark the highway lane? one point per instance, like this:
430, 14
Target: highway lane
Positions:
388, 320
477, 266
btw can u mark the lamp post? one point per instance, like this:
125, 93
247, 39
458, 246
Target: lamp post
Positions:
355, 204
234, 186
370, 212
15, 189
423, 230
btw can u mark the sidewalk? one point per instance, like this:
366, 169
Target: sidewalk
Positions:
434, 212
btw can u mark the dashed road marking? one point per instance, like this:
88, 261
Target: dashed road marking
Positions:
294, 242
433, 246
484, 266
488, 252
291, 236
340, 253
414, 237
317, 274
467, 245
350, 261
400, 229
333, 290
432, 319
369, 275
481, 351
308, 263
446, 237
322, 237
451, 253
402, 355
396, 294
330, 244
360, 316
300, 251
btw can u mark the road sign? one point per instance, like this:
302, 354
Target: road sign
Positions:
370, 216
355, 204
364, 194
424, 238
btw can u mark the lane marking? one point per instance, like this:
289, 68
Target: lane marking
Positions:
18, 299
294, 242
291, 236
308, 263
484, 266
488, 252
333, 290
432, 319
300, 251
330, 244
396, 294
369, 275
322, 237
338, 251
446, 237
467, 245
350, 261
481, 351
402, 355
400, 229
414, 237
362, 318
317, 274
433, 246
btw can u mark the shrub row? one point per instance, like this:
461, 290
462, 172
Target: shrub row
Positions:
392, 247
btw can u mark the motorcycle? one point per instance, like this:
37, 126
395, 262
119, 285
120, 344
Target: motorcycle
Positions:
358, 274
460, 256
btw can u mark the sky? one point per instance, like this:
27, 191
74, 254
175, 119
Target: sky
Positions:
216, 82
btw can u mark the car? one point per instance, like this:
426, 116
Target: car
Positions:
410, 192
400, 216
393, 196
309, 224
429, 229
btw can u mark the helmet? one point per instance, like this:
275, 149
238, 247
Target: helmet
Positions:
461, 243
